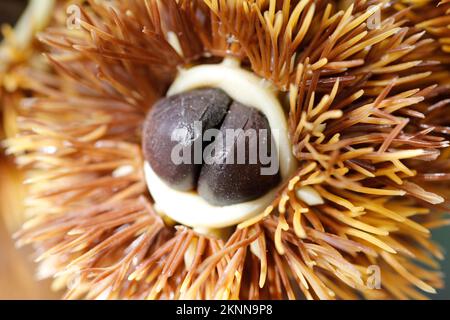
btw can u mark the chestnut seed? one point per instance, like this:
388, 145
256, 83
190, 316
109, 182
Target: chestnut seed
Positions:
229, 169
252, 91
171, 123
229, 179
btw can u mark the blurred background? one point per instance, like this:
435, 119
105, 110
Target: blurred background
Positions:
17, 269
442, 236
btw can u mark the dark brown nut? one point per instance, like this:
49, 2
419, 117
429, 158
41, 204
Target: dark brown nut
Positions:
229, 179
226, 165
175, 121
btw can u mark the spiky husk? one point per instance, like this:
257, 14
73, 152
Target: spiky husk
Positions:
366, 118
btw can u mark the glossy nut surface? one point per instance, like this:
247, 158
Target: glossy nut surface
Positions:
226, 181
172, 123
233, 173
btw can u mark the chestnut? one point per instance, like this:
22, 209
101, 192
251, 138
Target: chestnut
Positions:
228, 181
181, 120
224, 194
174, 145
